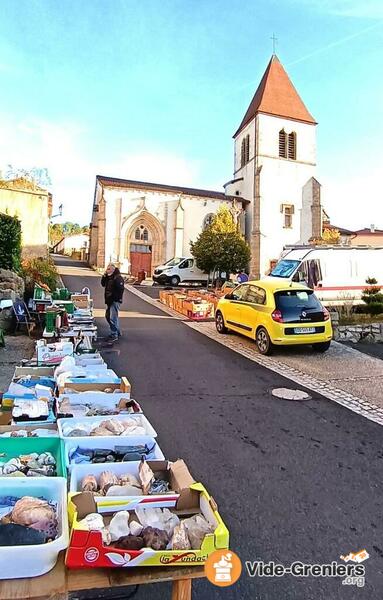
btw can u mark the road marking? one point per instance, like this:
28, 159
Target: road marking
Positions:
365, 408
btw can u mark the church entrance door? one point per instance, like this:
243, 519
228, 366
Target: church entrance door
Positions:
140, 259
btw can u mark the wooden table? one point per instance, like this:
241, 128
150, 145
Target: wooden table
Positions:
94, 584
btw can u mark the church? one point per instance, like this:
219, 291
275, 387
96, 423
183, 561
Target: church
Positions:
273, 194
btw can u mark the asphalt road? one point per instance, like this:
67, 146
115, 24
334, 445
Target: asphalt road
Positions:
293, 481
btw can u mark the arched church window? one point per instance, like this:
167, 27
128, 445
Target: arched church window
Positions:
145, 235
137, 234
245, 150
207, 221
283, 144
292, 145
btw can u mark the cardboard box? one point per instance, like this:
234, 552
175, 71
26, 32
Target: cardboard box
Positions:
176, 473
52, 354
29, 428
87, 550
33, 372
100, 399
81, 300
124, 386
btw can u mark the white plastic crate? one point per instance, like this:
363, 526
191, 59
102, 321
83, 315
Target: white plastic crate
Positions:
34, 560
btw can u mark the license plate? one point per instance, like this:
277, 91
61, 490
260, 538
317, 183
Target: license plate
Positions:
304, 329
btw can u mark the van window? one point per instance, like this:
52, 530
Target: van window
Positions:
256, 295
173, 262
285, 268
186, 264
309, 273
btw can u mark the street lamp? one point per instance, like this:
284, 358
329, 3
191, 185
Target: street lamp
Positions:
59, 214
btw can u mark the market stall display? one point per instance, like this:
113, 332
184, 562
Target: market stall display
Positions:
73, 425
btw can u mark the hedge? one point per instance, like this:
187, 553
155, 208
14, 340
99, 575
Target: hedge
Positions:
10, 242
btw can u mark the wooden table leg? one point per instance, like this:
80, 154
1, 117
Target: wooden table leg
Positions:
182, 589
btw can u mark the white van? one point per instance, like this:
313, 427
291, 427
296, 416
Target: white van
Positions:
337, 274
179, 270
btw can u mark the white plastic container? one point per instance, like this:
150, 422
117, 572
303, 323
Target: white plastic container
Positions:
111, 443
34, 560
98, 398
92, 422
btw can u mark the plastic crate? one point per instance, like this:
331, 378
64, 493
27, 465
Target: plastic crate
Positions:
14, 447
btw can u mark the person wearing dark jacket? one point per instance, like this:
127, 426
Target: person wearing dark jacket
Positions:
114, 290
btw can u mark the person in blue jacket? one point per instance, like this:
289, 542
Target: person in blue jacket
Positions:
242, 277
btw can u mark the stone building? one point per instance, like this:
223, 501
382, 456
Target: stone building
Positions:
273, 193
141, 225
274, 168
33, 206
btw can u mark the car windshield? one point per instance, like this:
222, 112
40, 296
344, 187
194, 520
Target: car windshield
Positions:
291, 299
173, 262
285, 268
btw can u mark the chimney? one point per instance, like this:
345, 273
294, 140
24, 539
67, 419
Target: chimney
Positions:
372, 228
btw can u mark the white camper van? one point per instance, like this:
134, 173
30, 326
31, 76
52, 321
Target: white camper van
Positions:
179, 270
337, 274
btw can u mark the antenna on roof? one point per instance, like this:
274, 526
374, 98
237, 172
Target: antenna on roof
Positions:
274, 40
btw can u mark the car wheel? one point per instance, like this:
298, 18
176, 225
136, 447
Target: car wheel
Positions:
263, 342
220, 323
322, 347
175, 280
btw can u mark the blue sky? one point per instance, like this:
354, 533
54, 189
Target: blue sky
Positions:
153, 90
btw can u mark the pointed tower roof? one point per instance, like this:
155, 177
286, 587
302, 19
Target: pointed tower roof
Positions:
277, 96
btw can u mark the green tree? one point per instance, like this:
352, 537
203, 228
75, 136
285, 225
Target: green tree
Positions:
373, 297
10, 242
220, 247
329, 237
223, 221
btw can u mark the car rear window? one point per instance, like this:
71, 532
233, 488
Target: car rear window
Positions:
291, 299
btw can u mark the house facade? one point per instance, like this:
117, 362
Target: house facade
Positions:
33, 206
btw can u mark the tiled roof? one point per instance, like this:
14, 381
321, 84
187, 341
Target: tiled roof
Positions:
341, 230
367, 231
160, 187
276, 96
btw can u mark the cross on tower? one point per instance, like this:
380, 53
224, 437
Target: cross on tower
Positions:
275, 40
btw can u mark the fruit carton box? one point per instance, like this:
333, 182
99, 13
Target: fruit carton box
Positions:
87, 550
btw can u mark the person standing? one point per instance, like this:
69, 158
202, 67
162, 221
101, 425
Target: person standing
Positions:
113, 283
242, 277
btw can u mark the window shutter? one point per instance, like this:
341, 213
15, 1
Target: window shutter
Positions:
283, 144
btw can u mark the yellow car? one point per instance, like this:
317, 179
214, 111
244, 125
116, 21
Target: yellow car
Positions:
275, 314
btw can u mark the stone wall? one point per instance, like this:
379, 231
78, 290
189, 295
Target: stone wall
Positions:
359, 333
11, 287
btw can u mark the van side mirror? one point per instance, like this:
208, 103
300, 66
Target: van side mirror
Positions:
229, 296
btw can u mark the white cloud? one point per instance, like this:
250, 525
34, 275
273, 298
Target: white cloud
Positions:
61, 148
